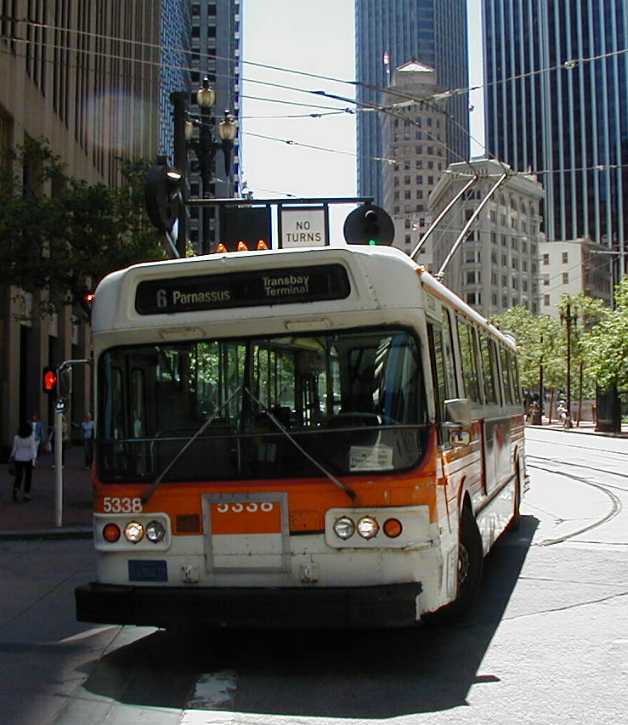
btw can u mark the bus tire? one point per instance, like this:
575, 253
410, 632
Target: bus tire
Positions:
470, 564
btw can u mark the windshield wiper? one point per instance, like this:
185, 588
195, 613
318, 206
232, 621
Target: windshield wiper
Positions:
343, 486
155, 484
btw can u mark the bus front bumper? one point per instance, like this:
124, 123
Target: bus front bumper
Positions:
250, 608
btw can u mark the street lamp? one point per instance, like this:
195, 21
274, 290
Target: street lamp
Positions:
206, 146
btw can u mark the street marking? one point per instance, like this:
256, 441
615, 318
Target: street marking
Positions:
214, 690
87, 633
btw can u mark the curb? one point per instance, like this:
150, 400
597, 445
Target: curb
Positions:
59, 534
560, 429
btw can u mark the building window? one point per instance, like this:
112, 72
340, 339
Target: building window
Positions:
407, 238
565, 257
546, 300
565, 277
546, 259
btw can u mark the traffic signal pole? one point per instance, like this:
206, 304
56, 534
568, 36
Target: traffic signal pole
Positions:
60, 406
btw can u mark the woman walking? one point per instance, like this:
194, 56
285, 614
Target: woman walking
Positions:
24, 455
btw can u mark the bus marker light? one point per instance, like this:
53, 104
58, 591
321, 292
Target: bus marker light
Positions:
242, 247
392, 528
111, 533
155, 531
221, 248
344, 528
368, 527
134, 532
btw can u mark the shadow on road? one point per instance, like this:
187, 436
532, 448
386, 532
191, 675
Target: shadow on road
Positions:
374, 674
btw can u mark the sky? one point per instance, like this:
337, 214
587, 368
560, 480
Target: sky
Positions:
315, 37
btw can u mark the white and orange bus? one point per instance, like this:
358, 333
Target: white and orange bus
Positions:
301, 438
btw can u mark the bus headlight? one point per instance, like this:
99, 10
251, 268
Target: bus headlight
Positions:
155, 531
344, 528
368, 527
134, 532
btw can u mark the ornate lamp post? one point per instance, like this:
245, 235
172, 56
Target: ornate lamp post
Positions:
206, 146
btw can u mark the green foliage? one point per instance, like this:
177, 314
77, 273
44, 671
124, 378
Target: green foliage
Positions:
539, 342
606, 346
57, 231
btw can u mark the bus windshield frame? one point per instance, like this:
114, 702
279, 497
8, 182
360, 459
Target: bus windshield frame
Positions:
353, 399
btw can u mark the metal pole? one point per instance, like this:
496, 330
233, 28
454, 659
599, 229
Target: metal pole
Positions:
436, 221
568, 365
467, 226
179, 103
58, 466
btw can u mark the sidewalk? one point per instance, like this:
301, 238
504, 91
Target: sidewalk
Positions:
586, 426
36, 519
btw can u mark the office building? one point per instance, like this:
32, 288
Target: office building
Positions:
556, 103
388, 33
84, 76
571, 268
417, 142
175, 41
496, 266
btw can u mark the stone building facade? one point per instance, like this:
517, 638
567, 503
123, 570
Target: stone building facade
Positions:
496, 267
415, 138
85, 76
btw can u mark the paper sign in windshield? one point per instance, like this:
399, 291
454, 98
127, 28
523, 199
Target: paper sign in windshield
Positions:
371, 458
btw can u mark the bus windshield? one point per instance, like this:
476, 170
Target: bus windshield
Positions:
355, 401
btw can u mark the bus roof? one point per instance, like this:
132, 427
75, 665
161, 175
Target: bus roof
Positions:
380, 277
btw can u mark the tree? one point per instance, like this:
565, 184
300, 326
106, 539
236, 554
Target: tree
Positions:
606, 346
585, 312
77, 233
540, 346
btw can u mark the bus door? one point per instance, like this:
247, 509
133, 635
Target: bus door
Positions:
445, 388
496, 425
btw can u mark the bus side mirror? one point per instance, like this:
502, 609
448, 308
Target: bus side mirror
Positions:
458, 411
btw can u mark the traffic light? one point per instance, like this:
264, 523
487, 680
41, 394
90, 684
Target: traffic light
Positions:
84, 299
162, 195
49, 380
369, 224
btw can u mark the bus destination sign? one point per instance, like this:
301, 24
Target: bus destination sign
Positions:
241, 289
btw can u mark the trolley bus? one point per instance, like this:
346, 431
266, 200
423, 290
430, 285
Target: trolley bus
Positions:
323, 437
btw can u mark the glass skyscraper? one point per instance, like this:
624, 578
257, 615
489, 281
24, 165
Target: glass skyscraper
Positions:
556, 103
388, 33
175, 38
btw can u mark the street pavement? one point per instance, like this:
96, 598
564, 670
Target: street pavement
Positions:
545, 645
36, 518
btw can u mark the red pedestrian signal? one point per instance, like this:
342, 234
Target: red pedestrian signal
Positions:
49, 381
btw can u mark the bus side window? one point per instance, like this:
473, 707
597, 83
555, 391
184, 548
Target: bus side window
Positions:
515, 369
448, 349
437, 362
489, 370
506, 375
468, 358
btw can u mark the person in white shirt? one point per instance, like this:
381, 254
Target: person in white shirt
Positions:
24, 455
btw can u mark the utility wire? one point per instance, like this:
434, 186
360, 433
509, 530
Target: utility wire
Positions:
565, 65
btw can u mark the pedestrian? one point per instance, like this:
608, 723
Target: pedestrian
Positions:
38, 431
87, 427
24, 456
